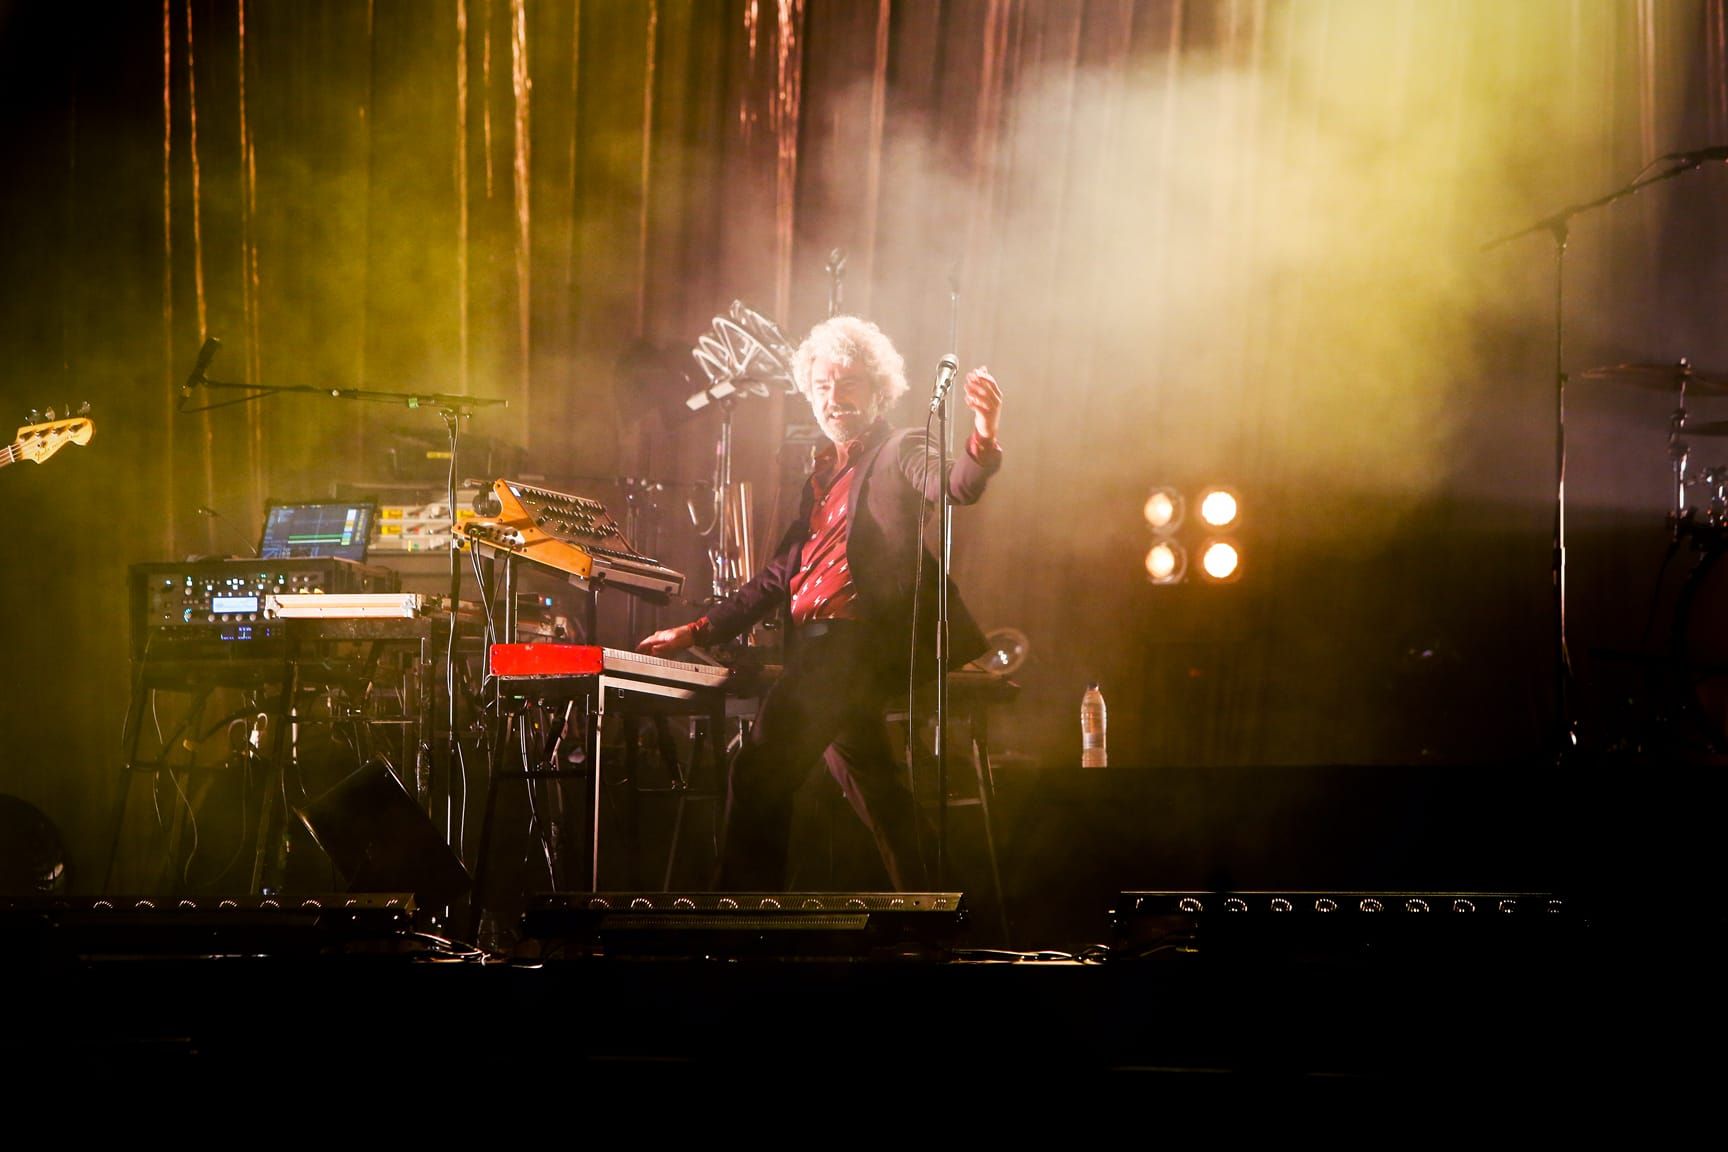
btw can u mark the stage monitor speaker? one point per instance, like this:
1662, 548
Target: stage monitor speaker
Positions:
766, 925
1335, 925
59, 931
381, 841
33, 857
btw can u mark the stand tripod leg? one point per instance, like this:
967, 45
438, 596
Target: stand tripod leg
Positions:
596, 736
173, 739
986, 788
482, 859
129, 741
543, 801
285, 747
714, 735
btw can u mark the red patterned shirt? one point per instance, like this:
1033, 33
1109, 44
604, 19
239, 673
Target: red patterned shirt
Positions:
822, 587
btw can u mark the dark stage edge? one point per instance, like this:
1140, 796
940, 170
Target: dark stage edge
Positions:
1614, 1007
1605, 1007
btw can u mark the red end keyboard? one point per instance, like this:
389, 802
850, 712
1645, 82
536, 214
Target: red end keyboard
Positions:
540, 661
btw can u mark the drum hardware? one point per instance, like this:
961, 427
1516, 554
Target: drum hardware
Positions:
1678, 376
1706, 518
1675, 377
1696, 656
1715, 481
1678, 453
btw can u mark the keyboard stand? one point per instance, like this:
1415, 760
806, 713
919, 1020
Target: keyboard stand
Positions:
684, 784
635, 698
509, 700
592, 698
265, 689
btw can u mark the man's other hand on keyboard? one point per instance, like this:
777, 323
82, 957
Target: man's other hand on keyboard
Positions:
669, 640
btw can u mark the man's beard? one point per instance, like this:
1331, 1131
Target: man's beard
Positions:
841, 422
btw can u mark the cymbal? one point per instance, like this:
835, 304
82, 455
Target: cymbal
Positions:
1661, 377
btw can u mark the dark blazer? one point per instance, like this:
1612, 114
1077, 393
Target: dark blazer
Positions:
890, 485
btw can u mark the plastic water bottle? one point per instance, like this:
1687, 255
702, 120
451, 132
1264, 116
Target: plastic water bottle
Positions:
1092, 724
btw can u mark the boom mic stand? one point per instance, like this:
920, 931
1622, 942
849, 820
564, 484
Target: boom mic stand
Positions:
453, 409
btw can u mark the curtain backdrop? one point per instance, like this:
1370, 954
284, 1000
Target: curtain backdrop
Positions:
1335, 253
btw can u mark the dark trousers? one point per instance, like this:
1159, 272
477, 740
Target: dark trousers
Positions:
826, 707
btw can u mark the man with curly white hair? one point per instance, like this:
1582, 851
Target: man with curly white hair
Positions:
858, 586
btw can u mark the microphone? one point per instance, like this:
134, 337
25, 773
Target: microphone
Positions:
205, 355
944, 379
212, 514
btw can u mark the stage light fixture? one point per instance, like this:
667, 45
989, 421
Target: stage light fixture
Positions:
1220, 561
1166, 559
1386, 926
1166, 562
1163, 510
1218, 507
1218, 557
838, 925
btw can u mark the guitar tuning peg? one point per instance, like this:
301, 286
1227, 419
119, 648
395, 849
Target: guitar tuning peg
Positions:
35, 417
84, 408
49, 414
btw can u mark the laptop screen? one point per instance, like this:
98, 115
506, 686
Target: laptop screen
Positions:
338, 528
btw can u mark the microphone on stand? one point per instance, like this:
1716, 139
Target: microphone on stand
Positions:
216, 516
836, 272
945, 373
205, 355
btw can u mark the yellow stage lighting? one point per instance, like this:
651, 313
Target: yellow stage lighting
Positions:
1218, 507
1163, 510
1166, 562
1220, 561
1217, 556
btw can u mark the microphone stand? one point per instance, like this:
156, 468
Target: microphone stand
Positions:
939, 744
836, 270
729, 571
412, 400
1557, 225
453, 409
452, 740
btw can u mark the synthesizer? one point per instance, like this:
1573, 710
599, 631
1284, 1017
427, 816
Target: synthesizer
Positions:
340, 606
641, 666
573, 535
544, 661
226, 599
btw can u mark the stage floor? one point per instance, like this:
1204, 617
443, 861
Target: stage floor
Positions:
1613, 1002
1439, 1019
